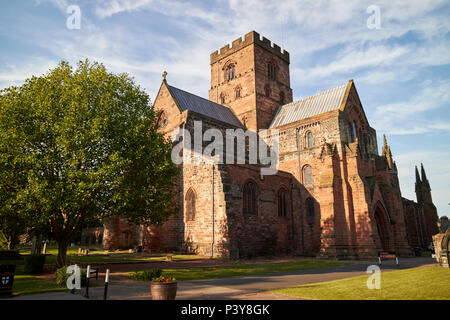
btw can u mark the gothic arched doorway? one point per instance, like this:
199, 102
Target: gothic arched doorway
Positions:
382, 227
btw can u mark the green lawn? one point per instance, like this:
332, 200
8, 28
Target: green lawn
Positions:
424, 283
247, 269
25, 284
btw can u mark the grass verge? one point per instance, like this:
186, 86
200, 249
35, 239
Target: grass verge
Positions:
25, 284
197, 273
423, 283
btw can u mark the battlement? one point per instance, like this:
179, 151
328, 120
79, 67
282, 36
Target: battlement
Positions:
249, 38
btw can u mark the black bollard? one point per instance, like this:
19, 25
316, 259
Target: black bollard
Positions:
105, 294
88, 271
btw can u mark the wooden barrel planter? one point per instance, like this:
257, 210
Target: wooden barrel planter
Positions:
163, 290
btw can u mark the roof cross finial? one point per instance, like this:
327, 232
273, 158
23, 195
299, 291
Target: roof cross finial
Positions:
164, 75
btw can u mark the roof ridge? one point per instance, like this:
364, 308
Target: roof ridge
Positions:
315, 94
189, 101
198, 96
321, 102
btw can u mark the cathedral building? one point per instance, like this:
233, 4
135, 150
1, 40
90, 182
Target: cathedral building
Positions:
333, 195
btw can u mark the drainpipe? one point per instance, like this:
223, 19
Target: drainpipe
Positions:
294, 236
300, 189
182, 241
217, 85
212, 212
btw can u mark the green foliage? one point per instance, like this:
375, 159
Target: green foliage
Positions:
146, 275
3, 241
34, 263
62, 276
77, 146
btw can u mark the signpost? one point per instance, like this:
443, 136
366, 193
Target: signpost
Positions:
89, 271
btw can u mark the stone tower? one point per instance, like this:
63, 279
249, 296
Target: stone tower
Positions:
252, 78
418, 187
425, 188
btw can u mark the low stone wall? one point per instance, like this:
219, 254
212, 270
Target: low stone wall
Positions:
441, 243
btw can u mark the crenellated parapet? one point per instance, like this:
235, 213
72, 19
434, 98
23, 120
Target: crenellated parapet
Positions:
252, 37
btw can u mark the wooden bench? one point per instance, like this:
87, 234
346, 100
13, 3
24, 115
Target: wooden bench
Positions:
387, 255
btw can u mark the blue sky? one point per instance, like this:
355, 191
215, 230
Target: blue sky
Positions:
401, 70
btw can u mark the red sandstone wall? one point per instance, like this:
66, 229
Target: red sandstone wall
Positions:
265, 233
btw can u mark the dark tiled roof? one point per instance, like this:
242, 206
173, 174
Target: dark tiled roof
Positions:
189, 101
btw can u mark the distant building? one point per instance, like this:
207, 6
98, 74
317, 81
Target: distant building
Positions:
92, 237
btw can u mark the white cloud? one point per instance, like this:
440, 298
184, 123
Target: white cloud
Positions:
60, 4
392, 117
309, 27
353, 59
109, 8
15, 74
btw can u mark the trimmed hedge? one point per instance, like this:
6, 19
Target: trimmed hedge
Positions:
34, 263
146, 275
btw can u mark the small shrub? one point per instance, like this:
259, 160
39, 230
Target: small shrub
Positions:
164, 279
34, 264
146, 275
426, 253
62, 276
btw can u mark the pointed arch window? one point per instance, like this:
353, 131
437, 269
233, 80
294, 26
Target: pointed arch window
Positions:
230, 72
307, 176
190, 205
355, 131
309, 139
249, 198
222, 98
350, 132
162, 119
282, 203
272, 71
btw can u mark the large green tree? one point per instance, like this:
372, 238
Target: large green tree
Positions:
85, 145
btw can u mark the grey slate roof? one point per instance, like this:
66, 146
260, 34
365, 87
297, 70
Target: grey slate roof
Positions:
189, 101
325, 101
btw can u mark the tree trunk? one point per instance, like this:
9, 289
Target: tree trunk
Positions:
11, 242
62, 253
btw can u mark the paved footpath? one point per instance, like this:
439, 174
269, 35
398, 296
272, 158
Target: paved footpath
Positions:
233, 288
